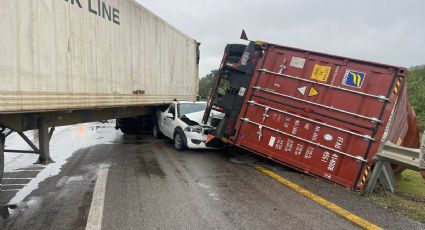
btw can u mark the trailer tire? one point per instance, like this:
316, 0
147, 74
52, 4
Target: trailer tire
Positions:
1, 157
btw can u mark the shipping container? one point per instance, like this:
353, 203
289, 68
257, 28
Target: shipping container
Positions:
73, 61
58, 55
321, 114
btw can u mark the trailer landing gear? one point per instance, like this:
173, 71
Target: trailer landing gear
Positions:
44, 136
2, 138
43, 149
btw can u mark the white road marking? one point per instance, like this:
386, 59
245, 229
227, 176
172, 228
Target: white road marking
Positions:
9, 190
94, 221
29, 170
10, 178
13, 185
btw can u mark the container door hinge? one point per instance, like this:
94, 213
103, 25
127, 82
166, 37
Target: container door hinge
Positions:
260, 132
282, 67
265, 115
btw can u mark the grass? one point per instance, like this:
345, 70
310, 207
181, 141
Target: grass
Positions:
412, 184
409, 198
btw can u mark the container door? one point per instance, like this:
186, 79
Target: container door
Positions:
320, 114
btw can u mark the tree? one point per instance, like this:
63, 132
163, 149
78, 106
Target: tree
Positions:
416, 92
205, 85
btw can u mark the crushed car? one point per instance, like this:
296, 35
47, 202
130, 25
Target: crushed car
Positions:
181, 121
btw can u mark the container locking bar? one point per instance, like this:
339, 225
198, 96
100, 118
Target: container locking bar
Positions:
372, 119
381, 98
367, 137
358, 158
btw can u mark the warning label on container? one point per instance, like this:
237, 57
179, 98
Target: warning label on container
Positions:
271, 141
313, 92
321, 73
242, 91
297, 62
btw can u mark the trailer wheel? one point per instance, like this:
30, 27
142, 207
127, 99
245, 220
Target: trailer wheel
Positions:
1, 157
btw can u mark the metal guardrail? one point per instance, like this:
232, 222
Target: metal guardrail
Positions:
422, 157
413, 159
402, 156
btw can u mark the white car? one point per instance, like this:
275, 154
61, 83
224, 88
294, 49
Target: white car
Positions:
182, 122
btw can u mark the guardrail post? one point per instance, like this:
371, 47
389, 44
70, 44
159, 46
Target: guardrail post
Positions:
44, 143
374, 176
387, 177
385, 174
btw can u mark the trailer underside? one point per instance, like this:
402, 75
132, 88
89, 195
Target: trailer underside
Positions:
46, 122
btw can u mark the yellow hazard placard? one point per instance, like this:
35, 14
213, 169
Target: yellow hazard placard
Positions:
313, 92
321, 73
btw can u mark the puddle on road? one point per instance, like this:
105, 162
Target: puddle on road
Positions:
149, 167
131, 140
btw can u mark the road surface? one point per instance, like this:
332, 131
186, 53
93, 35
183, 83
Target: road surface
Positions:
102, 179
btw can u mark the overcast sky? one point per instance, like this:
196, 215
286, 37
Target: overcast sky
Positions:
386, 31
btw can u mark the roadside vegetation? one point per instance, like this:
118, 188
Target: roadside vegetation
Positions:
205, 85
416, 92
409, 198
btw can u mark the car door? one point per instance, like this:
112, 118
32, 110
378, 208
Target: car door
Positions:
168, 124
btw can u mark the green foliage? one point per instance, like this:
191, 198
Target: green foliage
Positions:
205, 85
416, 92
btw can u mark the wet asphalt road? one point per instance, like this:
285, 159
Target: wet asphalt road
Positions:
151, 186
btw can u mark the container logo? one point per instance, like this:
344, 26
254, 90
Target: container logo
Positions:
354, 78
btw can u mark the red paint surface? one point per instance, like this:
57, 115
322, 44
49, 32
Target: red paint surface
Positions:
301, 150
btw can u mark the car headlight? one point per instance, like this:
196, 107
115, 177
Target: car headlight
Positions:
195, 129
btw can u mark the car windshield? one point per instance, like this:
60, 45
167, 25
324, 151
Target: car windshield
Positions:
186, 108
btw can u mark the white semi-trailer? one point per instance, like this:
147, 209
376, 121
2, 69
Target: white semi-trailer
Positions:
71, 61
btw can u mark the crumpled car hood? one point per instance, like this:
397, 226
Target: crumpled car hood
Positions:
196, 117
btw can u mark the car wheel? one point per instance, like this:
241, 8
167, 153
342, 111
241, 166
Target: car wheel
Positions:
156, 132
179, 144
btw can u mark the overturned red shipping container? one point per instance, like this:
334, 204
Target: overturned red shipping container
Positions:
321, 114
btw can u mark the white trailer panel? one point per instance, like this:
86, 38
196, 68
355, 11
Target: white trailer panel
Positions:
67, 54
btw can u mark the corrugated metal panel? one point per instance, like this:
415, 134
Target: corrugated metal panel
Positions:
321, 114
56, 55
